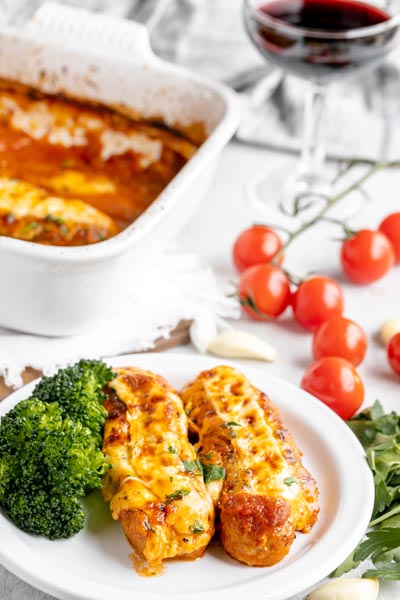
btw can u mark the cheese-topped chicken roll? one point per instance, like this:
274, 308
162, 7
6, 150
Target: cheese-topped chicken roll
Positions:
155, 486
267, 494
30, 213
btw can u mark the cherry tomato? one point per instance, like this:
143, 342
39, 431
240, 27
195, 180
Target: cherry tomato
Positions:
340, 337
264, 291
316, 300
391, 228
255, 246
367, 256
335, 382
393, 353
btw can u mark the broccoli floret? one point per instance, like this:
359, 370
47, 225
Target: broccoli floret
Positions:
54, 517
79, 392
47, 462
49, 450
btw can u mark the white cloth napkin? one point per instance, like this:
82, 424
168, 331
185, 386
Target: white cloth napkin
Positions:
166, 287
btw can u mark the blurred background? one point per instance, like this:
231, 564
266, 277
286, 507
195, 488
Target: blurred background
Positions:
208, 36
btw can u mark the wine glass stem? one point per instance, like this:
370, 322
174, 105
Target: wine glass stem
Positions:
310, 170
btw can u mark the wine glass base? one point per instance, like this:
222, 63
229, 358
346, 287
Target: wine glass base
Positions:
284, 194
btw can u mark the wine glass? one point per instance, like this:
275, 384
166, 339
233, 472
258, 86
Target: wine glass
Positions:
319, 41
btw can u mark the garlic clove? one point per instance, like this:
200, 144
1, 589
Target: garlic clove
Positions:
389, 329
240, 344
346, 588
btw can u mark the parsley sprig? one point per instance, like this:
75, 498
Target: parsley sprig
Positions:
193, 466
212, 472
209, 471
379, 434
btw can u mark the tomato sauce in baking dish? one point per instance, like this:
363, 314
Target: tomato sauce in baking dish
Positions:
74, 172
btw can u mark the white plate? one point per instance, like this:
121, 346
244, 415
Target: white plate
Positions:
94, 565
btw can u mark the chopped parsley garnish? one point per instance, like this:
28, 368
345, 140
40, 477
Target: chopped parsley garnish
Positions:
177, 495
63, 229
193, 466
213, 473
290, 480
209, 471
172, 450
56, 220
29, 226
228, 426
197, 527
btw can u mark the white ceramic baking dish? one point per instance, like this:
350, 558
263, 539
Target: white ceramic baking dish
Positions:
61, 291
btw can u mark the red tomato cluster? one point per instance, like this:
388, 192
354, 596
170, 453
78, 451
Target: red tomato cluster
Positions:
264, 287
367, 255
339, 344
317, 304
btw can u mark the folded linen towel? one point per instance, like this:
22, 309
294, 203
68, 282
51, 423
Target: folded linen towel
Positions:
189, 292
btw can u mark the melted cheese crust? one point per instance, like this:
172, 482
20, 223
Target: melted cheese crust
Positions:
29, 212
59, 126
161, 501
239, 428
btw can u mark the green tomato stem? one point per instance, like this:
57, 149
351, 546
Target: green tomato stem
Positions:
333, 200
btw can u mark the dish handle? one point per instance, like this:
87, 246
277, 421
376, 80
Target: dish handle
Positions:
84, 28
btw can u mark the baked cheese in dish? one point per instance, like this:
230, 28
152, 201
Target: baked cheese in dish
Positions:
155, 486
267, 494
78, 150
30, 213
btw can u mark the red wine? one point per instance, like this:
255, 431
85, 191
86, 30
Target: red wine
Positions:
306, 37
325, 15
